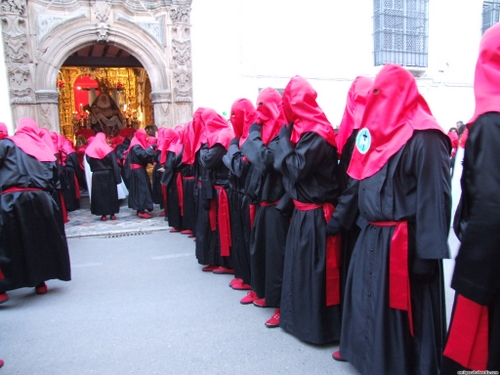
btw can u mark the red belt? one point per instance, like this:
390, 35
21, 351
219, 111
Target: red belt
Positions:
223, 220
15, 189
180, 192
468, 337
136, 166
333, 251
399, 280
188, 177
267, 204
252, 214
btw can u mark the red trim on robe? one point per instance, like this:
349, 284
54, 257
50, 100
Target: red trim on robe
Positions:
16, 189
224, 221
180, 192
333, 253
136, 166
63, 207
468, 337
399, 279
252, 209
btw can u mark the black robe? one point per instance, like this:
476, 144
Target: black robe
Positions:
264, 188
239, 212
33, 245
156, 186
478, 227
169, 179
309, 176
413, 186
71, 184
140, 197
189, 186
210, 171
105, 178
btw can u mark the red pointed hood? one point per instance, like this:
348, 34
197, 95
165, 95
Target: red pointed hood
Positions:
217, 128
300, 107
394, 109
194, 137
270, 113
27, 139
99, 147
487, 74
243, 115
354, 109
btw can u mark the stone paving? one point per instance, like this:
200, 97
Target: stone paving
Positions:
83, 224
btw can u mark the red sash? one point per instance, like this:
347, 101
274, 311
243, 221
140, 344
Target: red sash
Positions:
399, 279
77, 187
468, 337
224, 221
180, 192
136, 166
333, 252
267, 204
164, 193
253, 207
15, 189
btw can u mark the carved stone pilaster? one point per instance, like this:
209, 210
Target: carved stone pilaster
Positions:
102, 11
180, 14
161, 103
48, 109
181, 55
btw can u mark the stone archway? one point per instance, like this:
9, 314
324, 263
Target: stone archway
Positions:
39, 37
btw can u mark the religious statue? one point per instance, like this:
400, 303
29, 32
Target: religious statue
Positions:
105, 116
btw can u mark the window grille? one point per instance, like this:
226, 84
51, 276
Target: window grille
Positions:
400, 32
491, 14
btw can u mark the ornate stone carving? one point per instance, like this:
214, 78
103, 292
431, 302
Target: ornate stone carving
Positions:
20, 83
46, 23
14, 36
154, 29
182, 82
180, 14
181, 53
102, 32
101, 10
14, 6
45, 120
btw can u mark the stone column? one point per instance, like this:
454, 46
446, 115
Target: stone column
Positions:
162, 100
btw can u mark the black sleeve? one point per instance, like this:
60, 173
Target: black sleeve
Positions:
433, 216
234, 161
478, 260
116, 169
261, 156
297, 163
346, 211
212, 158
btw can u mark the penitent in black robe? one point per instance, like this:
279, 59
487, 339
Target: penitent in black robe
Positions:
309, 176
169, 179
211, 171
264, 188
156, 177
140, 197
33, 245
70, 185
189, 201
239, 212
413, 186
478, 261
105, 178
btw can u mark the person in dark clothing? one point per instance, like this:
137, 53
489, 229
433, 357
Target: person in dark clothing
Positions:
71, 168
307, 159
213, 237
139, 155
171, 160
105, 178
243, 115
394, 317
189, 183
346, 136
33, 246
265, 191
474, 333
121, 152
158, 170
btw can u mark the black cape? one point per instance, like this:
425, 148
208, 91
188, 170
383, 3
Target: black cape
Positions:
105, 178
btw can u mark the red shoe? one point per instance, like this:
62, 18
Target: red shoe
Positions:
186, 231
162, 214
224, 271
241, 286
174, 230
103, 218
274, 321
260, 302
145, 215
41, 289
112, 217
4, 297
336, 356
1, 362
209, 268
235, 281
249, 298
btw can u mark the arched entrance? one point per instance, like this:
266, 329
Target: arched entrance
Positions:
40, 35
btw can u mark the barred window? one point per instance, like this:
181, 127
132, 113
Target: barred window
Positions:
491, 13
400, 32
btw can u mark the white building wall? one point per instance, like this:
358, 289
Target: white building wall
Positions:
240, 46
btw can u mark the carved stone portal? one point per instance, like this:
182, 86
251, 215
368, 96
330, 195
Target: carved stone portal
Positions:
158, 37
